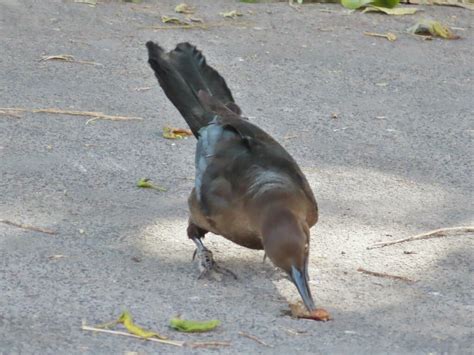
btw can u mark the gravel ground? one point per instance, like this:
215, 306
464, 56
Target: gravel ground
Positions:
396, 161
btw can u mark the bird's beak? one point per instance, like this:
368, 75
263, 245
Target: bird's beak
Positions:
300, 279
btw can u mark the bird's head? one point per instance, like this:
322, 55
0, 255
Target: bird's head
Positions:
286, 243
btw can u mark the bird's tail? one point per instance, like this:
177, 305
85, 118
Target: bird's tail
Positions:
182, 74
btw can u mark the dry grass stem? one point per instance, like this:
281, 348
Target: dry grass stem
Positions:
437, 233
209, 344
28, 227
116, 332
95, 115
382, 274
253, 337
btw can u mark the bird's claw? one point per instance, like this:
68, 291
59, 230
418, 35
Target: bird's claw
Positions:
207, 263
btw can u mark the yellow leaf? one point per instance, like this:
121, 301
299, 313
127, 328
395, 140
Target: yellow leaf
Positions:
126, 319
176, 133
433, 28
184, 9
231, 14
145, 183
397, 11
174, 20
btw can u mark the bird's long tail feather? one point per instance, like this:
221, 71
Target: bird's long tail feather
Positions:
183, 73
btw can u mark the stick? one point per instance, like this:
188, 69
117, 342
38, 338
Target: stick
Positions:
381, 274
254, 338
9, 113
95, 115
99, 330
26, 226
437, 233
206, 344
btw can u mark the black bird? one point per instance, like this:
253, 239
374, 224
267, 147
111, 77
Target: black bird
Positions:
247, 187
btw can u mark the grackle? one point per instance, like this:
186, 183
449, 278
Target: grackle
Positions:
247, 187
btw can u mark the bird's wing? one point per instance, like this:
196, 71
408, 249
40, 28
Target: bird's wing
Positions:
235, 158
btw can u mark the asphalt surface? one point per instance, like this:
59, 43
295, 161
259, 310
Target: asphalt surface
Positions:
382, 129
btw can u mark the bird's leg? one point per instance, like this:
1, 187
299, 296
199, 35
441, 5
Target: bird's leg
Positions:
204, 255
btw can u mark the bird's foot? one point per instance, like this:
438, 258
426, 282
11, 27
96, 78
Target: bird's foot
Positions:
207, 263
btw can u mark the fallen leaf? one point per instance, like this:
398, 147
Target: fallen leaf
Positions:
399, 11
173, 20
433, 28
389, 35
298, 310
127, 321
231, 14
146, 184
195, 19
176, 133
354, 4
63, 57
184, 9
191, 326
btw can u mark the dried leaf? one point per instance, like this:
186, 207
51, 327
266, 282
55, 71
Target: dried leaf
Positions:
399, 11
146, 184
433, 28
298, 310
184, 9
191, 326
195, 19
231, 14
173, 20
389, 35
63, 57
176, 133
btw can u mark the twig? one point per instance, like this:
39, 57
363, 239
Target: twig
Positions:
202, 26
95, 115
99, 330
9, 113
381, 274
26, 226
207, 344
437, 233
254, 338
67, 58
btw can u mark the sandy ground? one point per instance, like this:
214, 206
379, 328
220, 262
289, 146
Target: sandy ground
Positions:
396, 161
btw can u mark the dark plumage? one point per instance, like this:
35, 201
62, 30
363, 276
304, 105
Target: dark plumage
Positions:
247, 188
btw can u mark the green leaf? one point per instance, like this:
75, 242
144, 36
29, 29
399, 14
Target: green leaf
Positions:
146, 184
399, 11
385, 3
357, 4
354, 4
433, 28
191, 326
